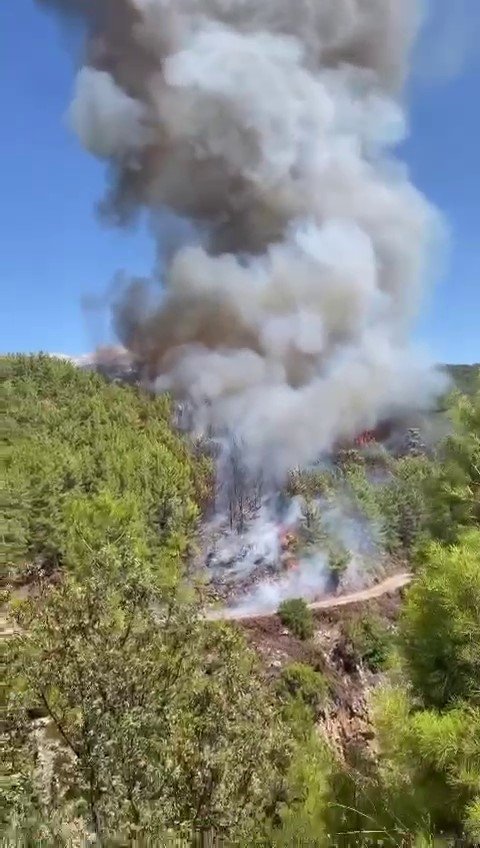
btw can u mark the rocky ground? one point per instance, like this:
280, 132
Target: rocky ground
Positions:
346, 718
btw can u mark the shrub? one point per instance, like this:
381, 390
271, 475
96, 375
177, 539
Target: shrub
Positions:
296, 615
299, 680
370, 639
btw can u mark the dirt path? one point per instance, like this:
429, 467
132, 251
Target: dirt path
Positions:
391, 584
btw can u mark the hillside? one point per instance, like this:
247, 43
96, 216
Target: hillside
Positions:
465, 377
95, 456
359, 721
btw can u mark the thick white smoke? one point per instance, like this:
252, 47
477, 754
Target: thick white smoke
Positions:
238, 556
270, 127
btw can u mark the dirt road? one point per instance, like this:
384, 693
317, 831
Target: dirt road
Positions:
391, 584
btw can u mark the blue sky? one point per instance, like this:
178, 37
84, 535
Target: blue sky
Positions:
54, 251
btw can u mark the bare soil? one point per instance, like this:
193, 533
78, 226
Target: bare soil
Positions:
346, 718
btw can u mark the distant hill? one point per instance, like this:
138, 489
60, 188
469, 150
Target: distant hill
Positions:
465, 377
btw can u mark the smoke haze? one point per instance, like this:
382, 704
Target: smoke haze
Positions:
285, 316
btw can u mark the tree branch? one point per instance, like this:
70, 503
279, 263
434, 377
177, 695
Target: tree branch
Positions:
58, 724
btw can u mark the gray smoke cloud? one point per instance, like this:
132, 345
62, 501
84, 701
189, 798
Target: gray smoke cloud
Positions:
270, 128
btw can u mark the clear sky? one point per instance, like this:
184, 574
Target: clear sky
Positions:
54, 251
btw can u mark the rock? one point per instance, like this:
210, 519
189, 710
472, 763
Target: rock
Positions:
368, 734
357, 708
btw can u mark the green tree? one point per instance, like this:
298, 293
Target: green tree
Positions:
311, 483
302, 817
466, 377
429, 767
73, 443
162, 717
302, 693
397, 508
454, 491
313, 538
371, 640
440, 625
403, 503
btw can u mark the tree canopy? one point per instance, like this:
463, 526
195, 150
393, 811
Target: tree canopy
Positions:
93, 462
164, 723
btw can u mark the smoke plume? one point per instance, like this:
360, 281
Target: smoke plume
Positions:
270, 127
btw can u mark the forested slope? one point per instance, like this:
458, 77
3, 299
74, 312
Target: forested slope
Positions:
87, 458
465, 377
121, 726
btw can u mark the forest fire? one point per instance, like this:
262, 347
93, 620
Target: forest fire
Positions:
287, 540
214, 647
368, 437
289, 256
256, 138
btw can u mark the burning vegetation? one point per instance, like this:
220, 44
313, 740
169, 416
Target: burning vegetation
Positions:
111, 649
259, 140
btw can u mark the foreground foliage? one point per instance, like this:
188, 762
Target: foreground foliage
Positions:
454, 493
163, 721
440, 626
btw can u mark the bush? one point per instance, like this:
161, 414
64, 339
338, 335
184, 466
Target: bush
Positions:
299, 680
296, 615
370, 639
